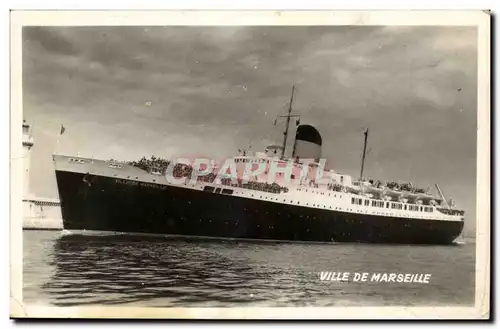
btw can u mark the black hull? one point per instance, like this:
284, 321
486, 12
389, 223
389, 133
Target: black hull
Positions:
101, 204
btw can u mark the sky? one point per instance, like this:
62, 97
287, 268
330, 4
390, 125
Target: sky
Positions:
128, 92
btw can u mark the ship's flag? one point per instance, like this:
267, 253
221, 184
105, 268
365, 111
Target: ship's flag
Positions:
62, 130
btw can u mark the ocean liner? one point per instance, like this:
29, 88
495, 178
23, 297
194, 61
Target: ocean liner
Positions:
171, 198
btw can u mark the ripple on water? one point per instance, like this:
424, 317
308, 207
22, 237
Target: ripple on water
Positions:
67, 270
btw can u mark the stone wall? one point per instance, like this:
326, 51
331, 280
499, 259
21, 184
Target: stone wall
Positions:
42, 214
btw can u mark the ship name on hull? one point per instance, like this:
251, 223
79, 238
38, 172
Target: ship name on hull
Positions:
142, 184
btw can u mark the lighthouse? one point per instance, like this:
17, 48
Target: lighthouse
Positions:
28, 143
39, 213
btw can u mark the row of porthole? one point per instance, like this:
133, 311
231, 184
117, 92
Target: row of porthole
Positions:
298, 202
283, 200
76, 160
408, 216
336, 208
322, 193
307, 216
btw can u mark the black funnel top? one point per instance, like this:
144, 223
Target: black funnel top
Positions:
308, 133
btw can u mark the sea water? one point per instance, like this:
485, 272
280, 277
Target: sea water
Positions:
75, 270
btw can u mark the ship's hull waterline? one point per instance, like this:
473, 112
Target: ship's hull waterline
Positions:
105, 205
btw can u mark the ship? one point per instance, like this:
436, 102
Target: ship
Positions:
162, 197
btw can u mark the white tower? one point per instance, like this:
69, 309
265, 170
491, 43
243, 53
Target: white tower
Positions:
27, 144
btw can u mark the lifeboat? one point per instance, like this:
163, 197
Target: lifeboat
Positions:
393, 193
381, 191
353, 189
424, 197
377, 192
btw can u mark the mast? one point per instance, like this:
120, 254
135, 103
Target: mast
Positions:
288, 117
285, 133
364, 155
